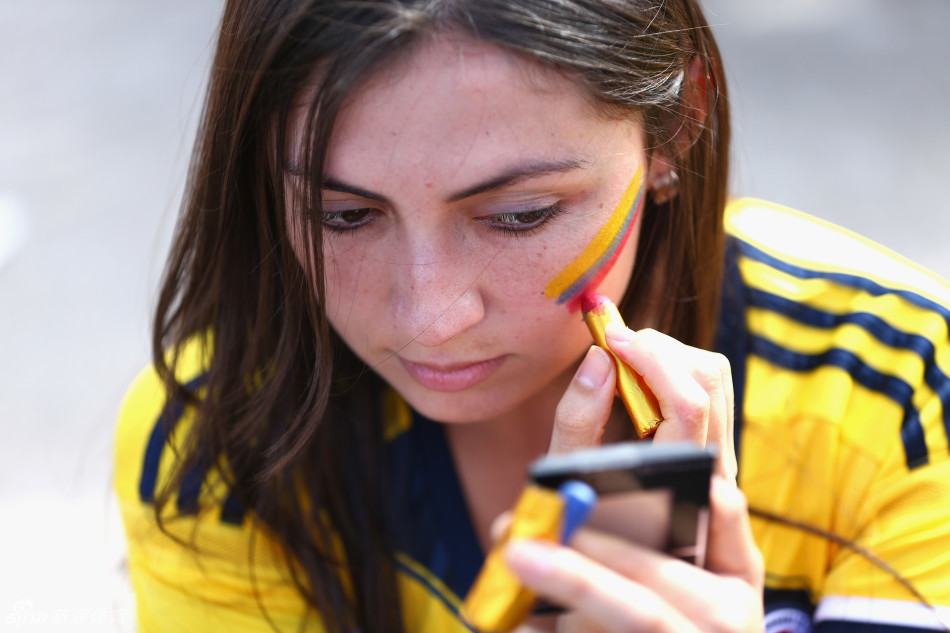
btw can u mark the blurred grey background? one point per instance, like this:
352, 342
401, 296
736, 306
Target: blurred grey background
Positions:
842, 109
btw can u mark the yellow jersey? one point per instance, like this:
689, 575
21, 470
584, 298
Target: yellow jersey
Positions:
840, 357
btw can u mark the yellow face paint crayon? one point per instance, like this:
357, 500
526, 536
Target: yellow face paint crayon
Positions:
497, 601
639, 401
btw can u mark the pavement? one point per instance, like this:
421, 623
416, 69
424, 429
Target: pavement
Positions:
840, 110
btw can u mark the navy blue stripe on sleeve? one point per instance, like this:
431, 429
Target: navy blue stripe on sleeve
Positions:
232, 511
843, 279
190, 489
153, 451
935, 378
171, 413
912, 431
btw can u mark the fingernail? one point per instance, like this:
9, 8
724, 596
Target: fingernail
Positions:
720, 483
594, 368
618, 333
530, 560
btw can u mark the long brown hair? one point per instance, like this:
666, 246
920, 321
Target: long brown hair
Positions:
279, 383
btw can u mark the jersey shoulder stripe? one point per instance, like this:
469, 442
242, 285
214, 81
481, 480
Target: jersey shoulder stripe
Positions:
213, 583
816, 309
193, 480
846, 398
912, 432
146, 420
808, 246
934, 375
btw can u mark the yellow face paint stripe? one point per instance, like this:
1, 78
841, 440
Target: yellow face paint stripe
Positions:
601, 243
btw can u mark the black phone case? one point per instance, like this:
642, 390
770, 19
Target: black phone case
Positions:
654, 494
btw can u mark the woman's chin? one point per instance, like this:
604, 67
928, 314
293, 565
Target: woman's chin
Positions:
458, 408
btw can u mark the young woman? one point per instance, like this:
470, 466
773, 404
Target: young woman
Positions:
368, 328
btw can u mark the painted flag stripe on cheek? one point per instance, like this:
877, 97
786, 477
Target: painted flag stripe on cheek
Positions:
590, 267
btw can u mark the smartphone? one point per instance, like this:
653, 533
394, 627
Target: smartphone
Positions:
656, 495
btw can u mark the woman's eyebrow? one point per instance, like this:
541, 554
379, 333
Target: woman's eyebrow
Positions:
506, 178
518, 173
336, 185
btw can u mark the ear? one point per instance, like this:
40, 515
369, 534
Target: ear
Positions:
693, 103
662, 180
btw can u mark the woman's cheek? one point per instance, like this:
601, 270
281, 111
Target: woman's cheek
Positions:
517, 276
598, 257
349, 279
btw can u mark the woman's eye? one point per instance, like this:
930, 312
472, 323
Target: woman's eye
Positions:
522, 222
348, 220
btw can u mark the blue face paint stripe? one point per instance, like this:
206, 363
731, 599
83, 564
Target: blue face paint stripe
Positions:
584, 280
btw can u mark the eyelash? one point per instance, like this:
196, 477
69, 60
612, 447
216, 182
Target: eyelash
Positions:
346, 228
542, 217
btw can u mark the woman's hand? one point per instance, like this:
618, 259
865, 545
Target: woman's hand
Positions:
692, 386
609, 584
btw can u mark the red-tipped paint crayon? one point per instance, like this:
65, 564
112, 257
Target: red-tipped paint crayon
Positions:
640, 402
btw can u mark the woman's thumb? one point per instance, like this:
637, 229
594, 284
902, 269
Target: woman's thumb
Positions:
583, 411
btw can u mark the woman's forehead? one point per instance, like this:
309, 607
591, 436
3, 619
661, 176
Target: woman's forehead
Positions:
465, 62
455, 103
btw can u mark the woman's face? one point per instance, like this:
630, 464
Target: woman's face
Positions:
465, 189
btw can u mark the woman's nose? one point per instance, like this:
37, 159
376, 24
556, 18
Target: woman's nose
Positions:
437, 295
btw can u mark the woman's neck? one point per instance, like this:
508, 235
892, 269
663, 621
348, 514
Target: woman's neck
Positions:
491, 457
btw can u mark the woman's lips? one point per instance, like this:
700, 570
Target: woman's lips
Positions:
454, 377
